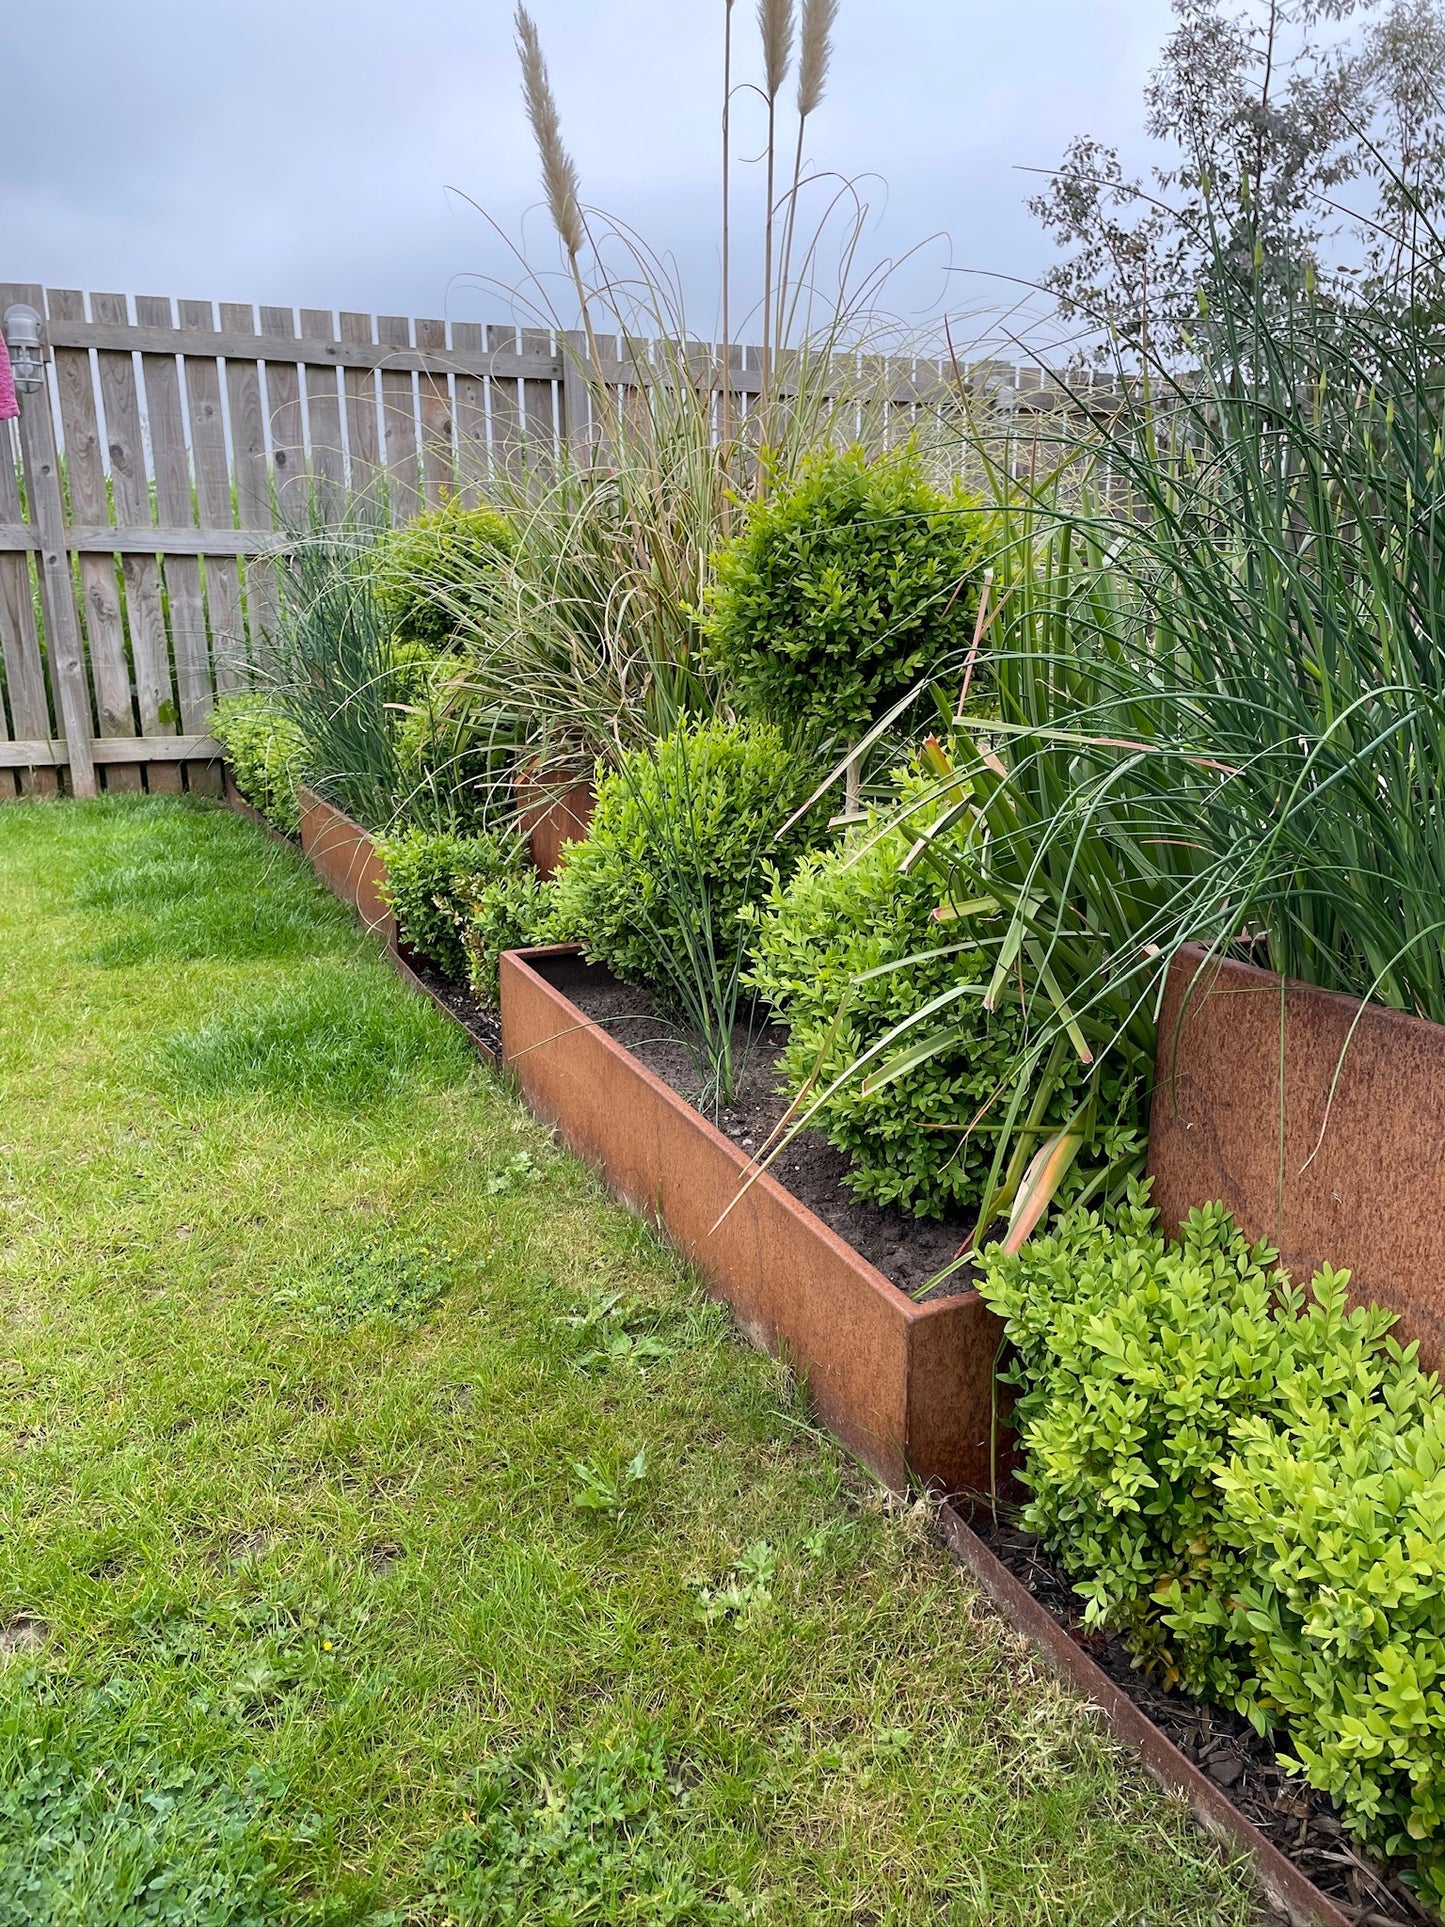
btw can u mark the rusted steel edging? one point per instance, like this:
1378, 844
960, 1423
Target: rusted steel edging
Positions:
908, 1387
1285, 1887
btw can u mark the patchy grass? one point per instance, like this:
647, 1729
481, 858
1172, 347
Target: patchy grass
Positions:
390, 1531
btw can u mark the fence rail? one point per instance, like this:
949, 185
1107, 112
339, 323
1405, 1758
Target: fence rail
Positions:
153, 480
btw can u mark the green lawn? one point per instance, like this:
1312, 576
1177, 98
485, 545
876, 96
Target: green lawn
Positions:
392, 1532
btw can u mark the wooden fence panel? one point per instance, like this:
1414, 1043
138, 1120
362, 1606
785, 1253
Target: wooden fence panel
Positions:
179, 487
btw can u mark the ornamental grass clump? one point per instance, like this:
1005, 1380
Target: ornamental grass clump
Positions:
848, 951
1247, 1480
844, 587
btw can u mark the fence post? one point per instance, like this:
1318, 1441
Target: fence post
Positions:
57, 588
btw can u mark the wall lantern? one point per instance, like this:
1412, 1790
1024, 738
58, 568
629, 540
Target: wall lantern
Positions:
27, 356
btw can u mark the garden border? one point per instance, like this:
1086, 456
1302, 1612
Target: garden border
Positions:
1284, 1886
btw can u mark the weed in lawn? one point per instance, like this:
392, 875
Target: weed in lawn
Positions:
516, 1174
336, 1037
102, 1837
394, 1282
610, 1492
592, 1838
747, 1590
618, 1331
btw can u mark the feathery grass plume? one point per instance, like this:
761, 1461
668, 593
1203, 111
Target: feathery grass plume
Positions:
775, 24
815, 51
559, 171
725, 406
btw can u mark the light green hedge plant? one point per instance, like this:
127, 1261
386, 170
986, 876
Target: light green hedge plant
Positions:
431, 877
677, 844
844, 588
425, 571
512, 912
1248, 1481
267, 754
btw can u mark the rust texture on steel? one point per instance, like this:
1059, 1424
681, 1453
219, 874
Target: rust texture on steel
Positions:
1287, 1889
1334, 1154
345, 858
550, 816
906, 1386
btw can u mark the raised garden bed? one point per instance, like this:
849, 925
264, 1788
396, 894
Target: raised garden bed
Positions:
344, 856
1331, 1153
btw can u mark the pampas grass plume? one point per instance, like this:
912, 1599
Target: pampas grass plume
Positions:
816, 50
559, 172
775, 23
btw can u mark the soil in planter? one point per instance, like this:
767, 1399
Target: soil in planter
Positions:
908, 1251
1293, 1816
483, 1023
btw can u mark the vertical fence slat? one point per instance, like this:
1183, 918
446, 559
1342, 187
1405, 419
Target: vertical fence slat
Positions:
64, 655
252, 476
99, 586
190, 652
323, 416
130, 494
398, 408
506, 412
438, 464
538, 409
363, 443
213, 498
283, 408
470, 415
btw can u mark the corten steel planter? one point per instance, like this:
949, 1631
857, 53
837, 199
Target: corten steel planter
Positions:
344, 856
907, 1386
1243, 1112
551, 814
1284, 1885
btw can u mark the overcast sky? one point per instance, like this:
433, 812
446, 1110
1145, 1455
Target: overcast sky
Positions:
316, 153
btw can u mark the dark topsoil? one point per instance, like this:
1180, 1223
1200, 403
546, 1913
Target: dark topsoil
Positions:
910, 1251
1299, 1821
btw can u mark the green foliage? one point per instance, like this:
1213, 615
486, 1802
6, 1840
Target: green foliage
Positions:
590, 1839
394, 1281
849, 948
676, 847
95, 1836
1248, 1481
425, 569
844, 588
267, 754
513, 912
430, 878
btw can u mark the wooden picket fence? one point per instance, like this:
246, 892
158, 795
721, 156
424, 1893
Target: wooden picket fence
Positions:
153, 480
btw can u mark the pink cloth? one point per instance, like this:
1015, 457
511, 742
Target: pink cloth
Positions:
9, 405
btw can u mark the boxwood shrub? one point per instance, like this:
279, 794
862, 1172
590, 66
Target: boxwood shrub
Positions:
267, 754
678, 842
506, 913
1246, 1479
845, 587
431, 877
424, 570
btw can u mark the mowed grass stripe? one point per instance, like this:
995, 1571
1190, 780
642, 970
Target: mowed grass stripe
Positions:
392, 1532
